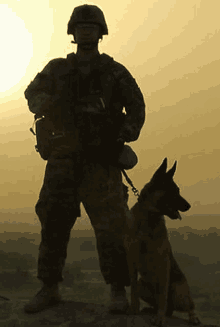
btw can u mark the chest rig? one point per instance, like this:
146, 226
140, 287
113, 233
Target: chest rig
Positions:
85, 106
88, 108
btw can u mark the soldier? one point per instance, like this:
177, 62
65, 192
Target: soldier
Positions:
81, 99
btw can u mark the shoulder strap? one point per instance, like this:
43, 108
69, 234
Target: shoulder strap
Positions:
106, 62
106, 58
71, 58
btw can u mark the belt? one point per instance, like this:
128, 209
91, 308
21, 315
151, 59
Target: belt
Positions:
65, 141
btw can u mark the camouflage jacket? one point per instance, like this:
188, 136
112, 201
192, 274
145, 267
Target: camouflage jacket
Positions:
58, 87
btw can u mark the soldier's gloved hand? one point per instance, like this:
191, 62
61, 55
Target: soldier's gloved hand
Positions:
120, 140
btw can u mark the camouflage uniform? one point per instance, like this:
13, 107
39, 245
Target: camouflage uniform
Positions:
75, 176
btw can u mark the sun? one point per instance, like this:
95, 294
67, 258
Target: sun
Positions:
16, 48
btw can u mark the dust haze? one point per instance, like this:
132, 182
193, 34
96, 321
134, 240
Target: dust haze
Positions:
171, 48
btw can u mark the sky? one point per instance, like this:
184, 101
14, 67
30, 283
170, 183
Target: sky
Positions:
139, 32
171, 48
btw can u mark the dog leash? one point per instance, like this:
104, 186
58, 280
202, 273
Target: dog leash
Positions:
135, 191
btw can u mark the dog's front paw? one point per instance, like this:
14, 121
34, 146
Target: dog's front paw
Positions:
158, 321
133, 310
194, 321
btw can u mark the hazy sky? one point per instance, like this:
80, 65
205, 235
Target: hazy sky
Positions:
171, 47
139, 32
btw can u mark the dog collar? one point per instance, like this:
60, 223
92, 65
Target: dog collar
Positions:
149, 206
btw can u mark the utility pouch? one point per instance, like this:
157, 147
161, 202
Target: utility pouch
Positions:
92, 121
43, 137
127, 158
124, 157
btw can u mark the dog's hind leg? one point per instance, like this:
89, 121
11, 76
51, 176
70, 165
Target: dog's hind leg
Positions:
179, 294
193, 319
183, 301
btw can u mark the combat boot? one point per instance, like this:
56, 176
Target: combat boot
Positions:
46, 297
119, 302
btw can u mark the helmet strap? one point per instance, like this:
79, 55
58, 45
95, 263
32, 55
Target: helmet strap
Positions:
96, 43
87, 46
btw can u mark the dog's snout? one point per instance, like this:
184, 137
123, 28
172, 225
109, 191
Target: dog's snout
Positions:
185, 206
182, 205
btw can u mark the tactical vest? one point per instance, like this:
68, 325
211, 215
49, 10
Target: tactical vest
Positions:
85, 106
89, 110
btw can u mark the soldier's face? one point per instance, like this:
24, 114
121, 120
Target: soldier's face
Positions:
87, 33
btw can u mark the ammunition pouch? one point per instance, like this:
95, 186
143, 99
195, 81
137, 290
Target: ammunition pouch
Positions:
43, 136
98, 134
93, 130
94, 137
127, 158
93, 122
123, 156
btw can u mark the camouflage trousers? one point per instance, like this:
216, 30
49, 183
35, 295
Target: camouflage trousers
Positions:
67, 183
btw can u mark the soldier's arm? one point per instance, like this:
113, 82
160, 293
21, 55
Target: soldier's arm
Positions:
133, 101
40, 93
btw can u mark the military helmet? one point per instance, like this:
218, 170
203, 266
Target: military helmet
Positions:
87, 14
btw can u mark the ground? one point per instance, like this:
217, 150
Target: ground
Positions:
80, 307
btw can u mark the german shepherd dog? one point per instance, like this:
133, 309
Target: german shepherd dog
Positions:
162, 284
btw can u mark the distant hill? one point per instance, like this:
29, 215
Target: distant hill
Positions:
83, 228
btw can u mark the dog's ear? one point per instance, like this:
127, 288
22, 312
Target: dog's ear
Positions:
171, 172
162, 169
163, 166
